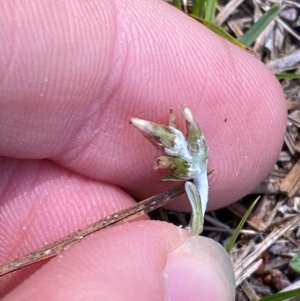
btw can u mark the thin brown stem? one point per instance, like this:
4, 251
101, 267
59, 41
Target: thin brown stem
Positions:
119, 217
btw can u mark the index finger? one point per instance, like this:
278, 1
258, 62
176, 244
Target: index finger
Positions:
72, 84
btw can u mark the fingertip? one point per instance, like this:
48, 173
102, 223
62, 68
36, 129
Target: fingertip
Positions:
144, 260
199, 269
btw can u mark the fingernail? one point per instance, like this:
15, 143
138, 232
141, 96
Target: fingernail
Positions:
199, 269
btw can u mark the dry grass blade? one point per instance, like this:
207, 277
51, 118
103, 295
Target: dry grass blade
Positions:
260, 248
122, 216
286, 62
227, 10
249, 291
291, 183
246, 273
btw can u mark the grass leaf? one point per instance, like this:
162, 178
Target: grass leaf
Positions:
251, 35
237, 231
288, 76
198, 8
210, 10
220, 31
177, 3
282, 296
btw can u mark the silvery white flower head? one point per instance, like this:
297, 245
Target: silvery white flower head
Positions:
186, 158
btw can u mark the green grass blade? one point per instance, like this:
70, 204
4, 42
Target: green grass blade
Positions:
163, 215
288, 76
237, 231
177, 3
282, 296
210, 10
251, 35
219, 30
198, 8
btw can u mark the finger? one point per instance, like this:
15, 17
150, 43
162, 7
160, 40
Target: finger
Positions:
69, 97
141, 260
42, 202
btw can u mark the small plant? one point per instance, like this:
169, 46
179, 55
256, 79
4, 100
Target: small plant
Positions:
186, 158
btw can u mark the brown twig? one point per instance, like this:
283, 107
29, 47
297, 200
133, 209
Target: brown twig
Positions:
119, 217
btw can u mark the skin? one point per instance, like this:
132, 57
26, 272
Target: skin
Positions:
72, 75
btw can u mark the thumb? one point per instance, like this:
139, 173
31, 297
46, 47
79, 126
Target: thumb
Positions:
143, 260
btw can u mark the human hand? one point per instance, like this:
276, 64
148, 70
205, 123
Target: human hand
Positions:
73, 73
